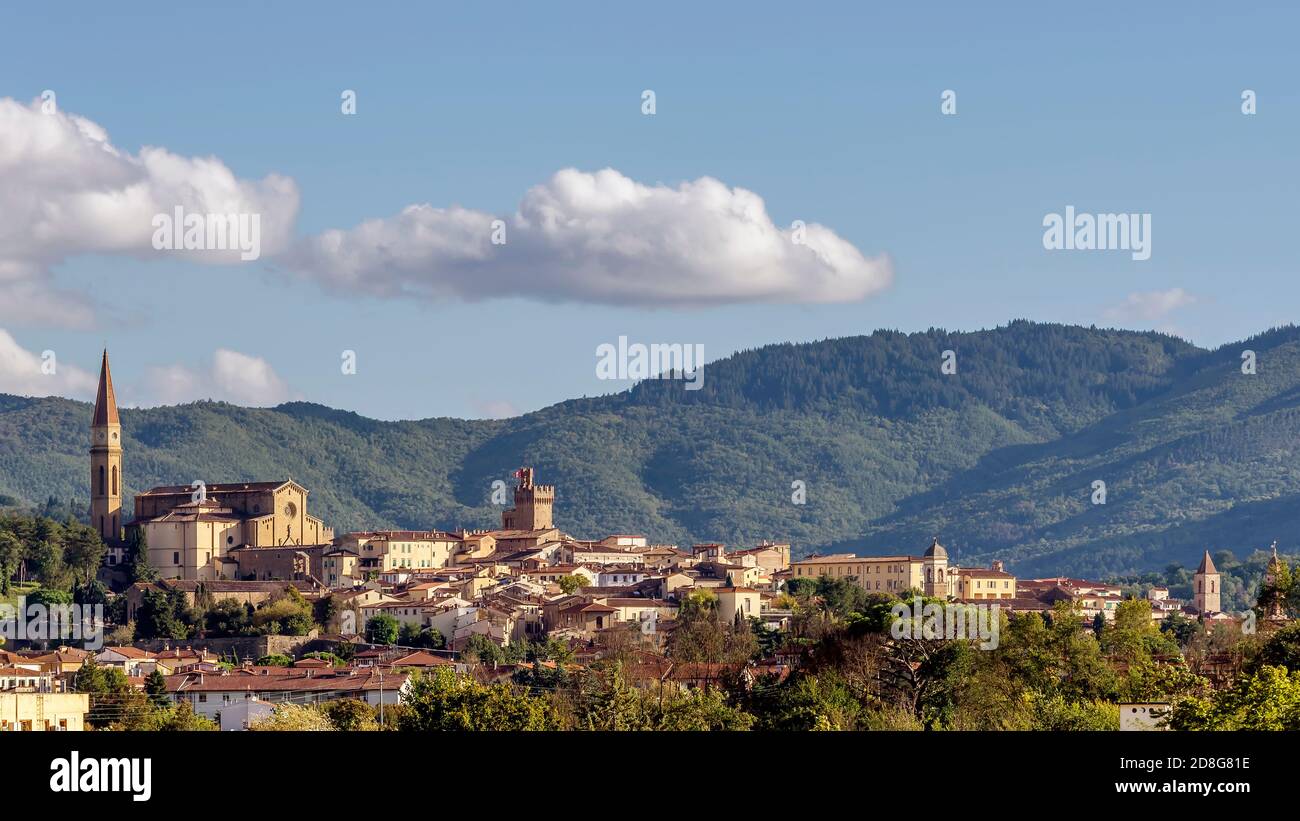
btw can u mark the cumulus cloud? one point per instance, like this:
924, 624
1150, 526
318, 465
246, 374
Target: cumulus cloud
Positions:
27, 373
596, 238
1149, 306
65, 189
231, 376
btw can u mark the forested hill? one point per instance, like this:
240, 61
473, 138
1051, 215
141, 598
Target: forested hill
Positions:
998, 458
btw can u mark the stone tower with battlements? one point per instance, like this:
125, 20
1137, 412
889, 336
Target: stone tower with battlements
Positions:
533, 504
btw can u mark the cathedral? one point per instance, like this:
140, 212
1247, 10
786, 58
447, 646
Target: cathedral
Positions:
193, 531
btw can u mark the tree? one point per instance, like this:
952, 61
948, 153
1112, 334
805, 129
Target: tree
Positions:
571, 584
381, 629
114, 701
139, 569
11, 552
325, 610
155, 686
412, 636
275, 660
1180, 628
1267, 699
445, 700
1055, 714
163, 614
350, 715
83, 551
227, 617
482, 649
1281, 649
287, 614
808, 702
178, 719
294, 718
700, 710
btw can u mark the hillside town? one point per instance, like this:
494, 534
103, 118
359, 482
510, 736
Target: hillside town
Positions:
234, 602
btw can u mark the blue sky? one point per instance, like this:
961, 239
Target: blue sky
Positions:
830, 113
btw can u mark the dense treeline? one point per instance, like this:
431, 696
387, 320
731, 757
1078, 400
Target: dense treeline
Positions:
1036, 374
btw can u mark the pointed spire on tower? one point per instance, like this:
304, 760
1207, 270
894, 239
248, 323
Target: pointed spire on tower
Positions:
1207, 564
105, 400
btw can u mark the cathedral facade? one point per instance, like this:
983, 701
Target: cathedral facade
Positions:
191, 530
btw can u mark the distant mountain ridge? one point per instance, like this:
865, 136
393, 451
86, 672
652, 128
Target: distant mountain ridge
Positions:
998, 459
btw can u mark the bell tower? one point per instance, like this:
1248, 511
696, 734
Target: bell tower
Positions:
1206, 595
106, 461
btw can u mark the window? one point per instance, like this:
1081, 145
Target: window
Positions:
203, 697
114, 480
101, 481
176, 557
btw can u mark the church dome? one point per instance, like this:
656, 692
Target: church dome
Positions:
936, 550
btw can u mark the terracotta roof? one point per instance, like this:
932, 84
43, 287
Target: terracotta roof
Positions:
1207, 564
293, 681
233, 487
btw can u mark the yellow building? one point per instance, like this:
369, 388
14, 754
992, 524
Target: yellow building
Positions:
341, 567
191, 539
387, 550
929, 573
980, 583
743, 600
885, 574
43, 712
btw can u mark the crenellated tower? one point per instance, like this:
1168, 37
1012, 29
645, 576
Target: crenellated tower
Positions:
533, 504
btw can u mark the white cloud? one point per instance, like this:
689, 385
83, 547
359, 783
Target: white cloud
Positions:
25, 373
1149, 306
65, 189
596, 238
231, 376
496, 409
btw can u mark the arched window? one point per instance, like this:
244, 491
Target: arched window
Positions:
101, 481
114, 480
